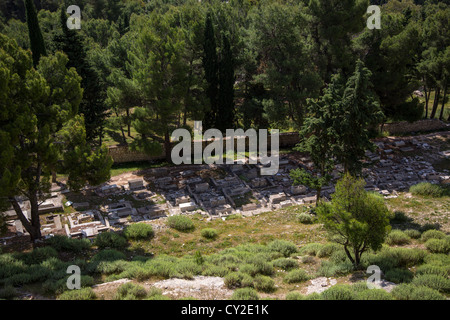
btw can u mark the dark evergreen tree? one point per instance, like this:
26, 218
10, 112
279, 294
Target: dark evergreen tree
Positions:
93, 105
225, 112
211, 66
37, 44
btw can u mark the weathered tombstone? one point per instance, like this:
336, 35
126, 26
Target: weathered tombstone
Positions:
136, 184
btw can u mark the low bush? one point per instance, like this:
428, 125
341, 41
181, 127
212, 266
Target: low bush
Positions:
130, 291
139, 231
264, 284
433, 281
209, 233
296, 276
443, 271
399, 275
39, 255
108, 255
307, 260
338, 292
181, 223
8, 292
397, 237
245, 294
404, 257
82, 294
438, 245
328, 249
332, 269
285, 264
373, 294
305, 218
110, 240
399, 217
215, 271
428, 189
412, 233
284, 247
437, 259
432, 234
295, 296
156, 294
411, 292
310, 249
63, 243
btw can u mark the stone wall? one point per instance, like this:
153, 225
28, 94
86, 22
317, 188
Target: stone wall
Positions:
121, 154
418, 126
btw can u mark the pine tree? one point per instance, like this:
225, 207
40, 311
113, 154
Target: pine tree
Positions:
93, 105
36, 39
211, 66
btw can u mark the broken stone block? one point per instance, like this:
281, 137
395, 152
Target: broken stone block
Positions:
136, 184
407, 149
277, 198
400, 143
285, 204
217, 201
298, 189
81, 205
189, 206
202, 187
249, 207
308, 200
183, 199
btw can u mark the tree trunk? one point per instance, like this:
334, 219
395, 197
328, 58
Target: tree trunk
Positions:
128, 122
443, 103
33, 227
349, 255
54, 176
319, 190
435, 103
427, 98
167, 147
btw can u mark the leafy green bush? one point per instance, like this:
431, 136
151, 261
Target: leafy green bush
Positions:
130, 291
399, 275
328, 249
139, 231
404, 257
156, 294
433, 269
245, 294
438, 245
39, 255
264, 284
296, 276
305, 218
432, 234
438, 259
108, 255
295, 296
428, 189
82, 294
233, 280
311, 249
373, 294
209, 233
338, 292
181, 223
412, 233
284, 247
52, 286
63, 243
332, 269
285, 263
432, 281
399, 217
397, 237
216, 271
411, 292
110, 240
307, 260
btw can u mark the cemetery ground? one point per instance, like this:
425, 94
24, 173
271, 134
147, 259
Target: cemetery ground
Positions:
275, 251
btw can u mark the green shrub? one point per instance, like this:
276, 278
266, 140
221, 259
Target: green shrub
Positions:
432, 234
399, 218
399, 275
245, 294
216, 271
209, 233
285, 263
328, 249
296, 276
305, 218
295, 296
52, 286
8, 292
412, 233
332, 269
443, 271
404, 257
339, 256
108, 255
264, 284
373, 294
432, 281
39, 255
63, 243
397, 237
438, 245
284, 247
338, 292
157, 294
438, 259
428, 189
233, 280
310, 249
130, 291
139, 231
110, 240
181, 223
187, 268
307, 260
82, 294
411, 292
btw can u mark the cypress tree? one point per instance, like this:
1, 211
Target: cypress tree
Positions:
225, 112
211, 66
36, 39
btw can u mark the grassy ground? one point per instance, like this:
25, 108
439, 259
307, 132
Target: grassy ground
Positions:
430, 105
